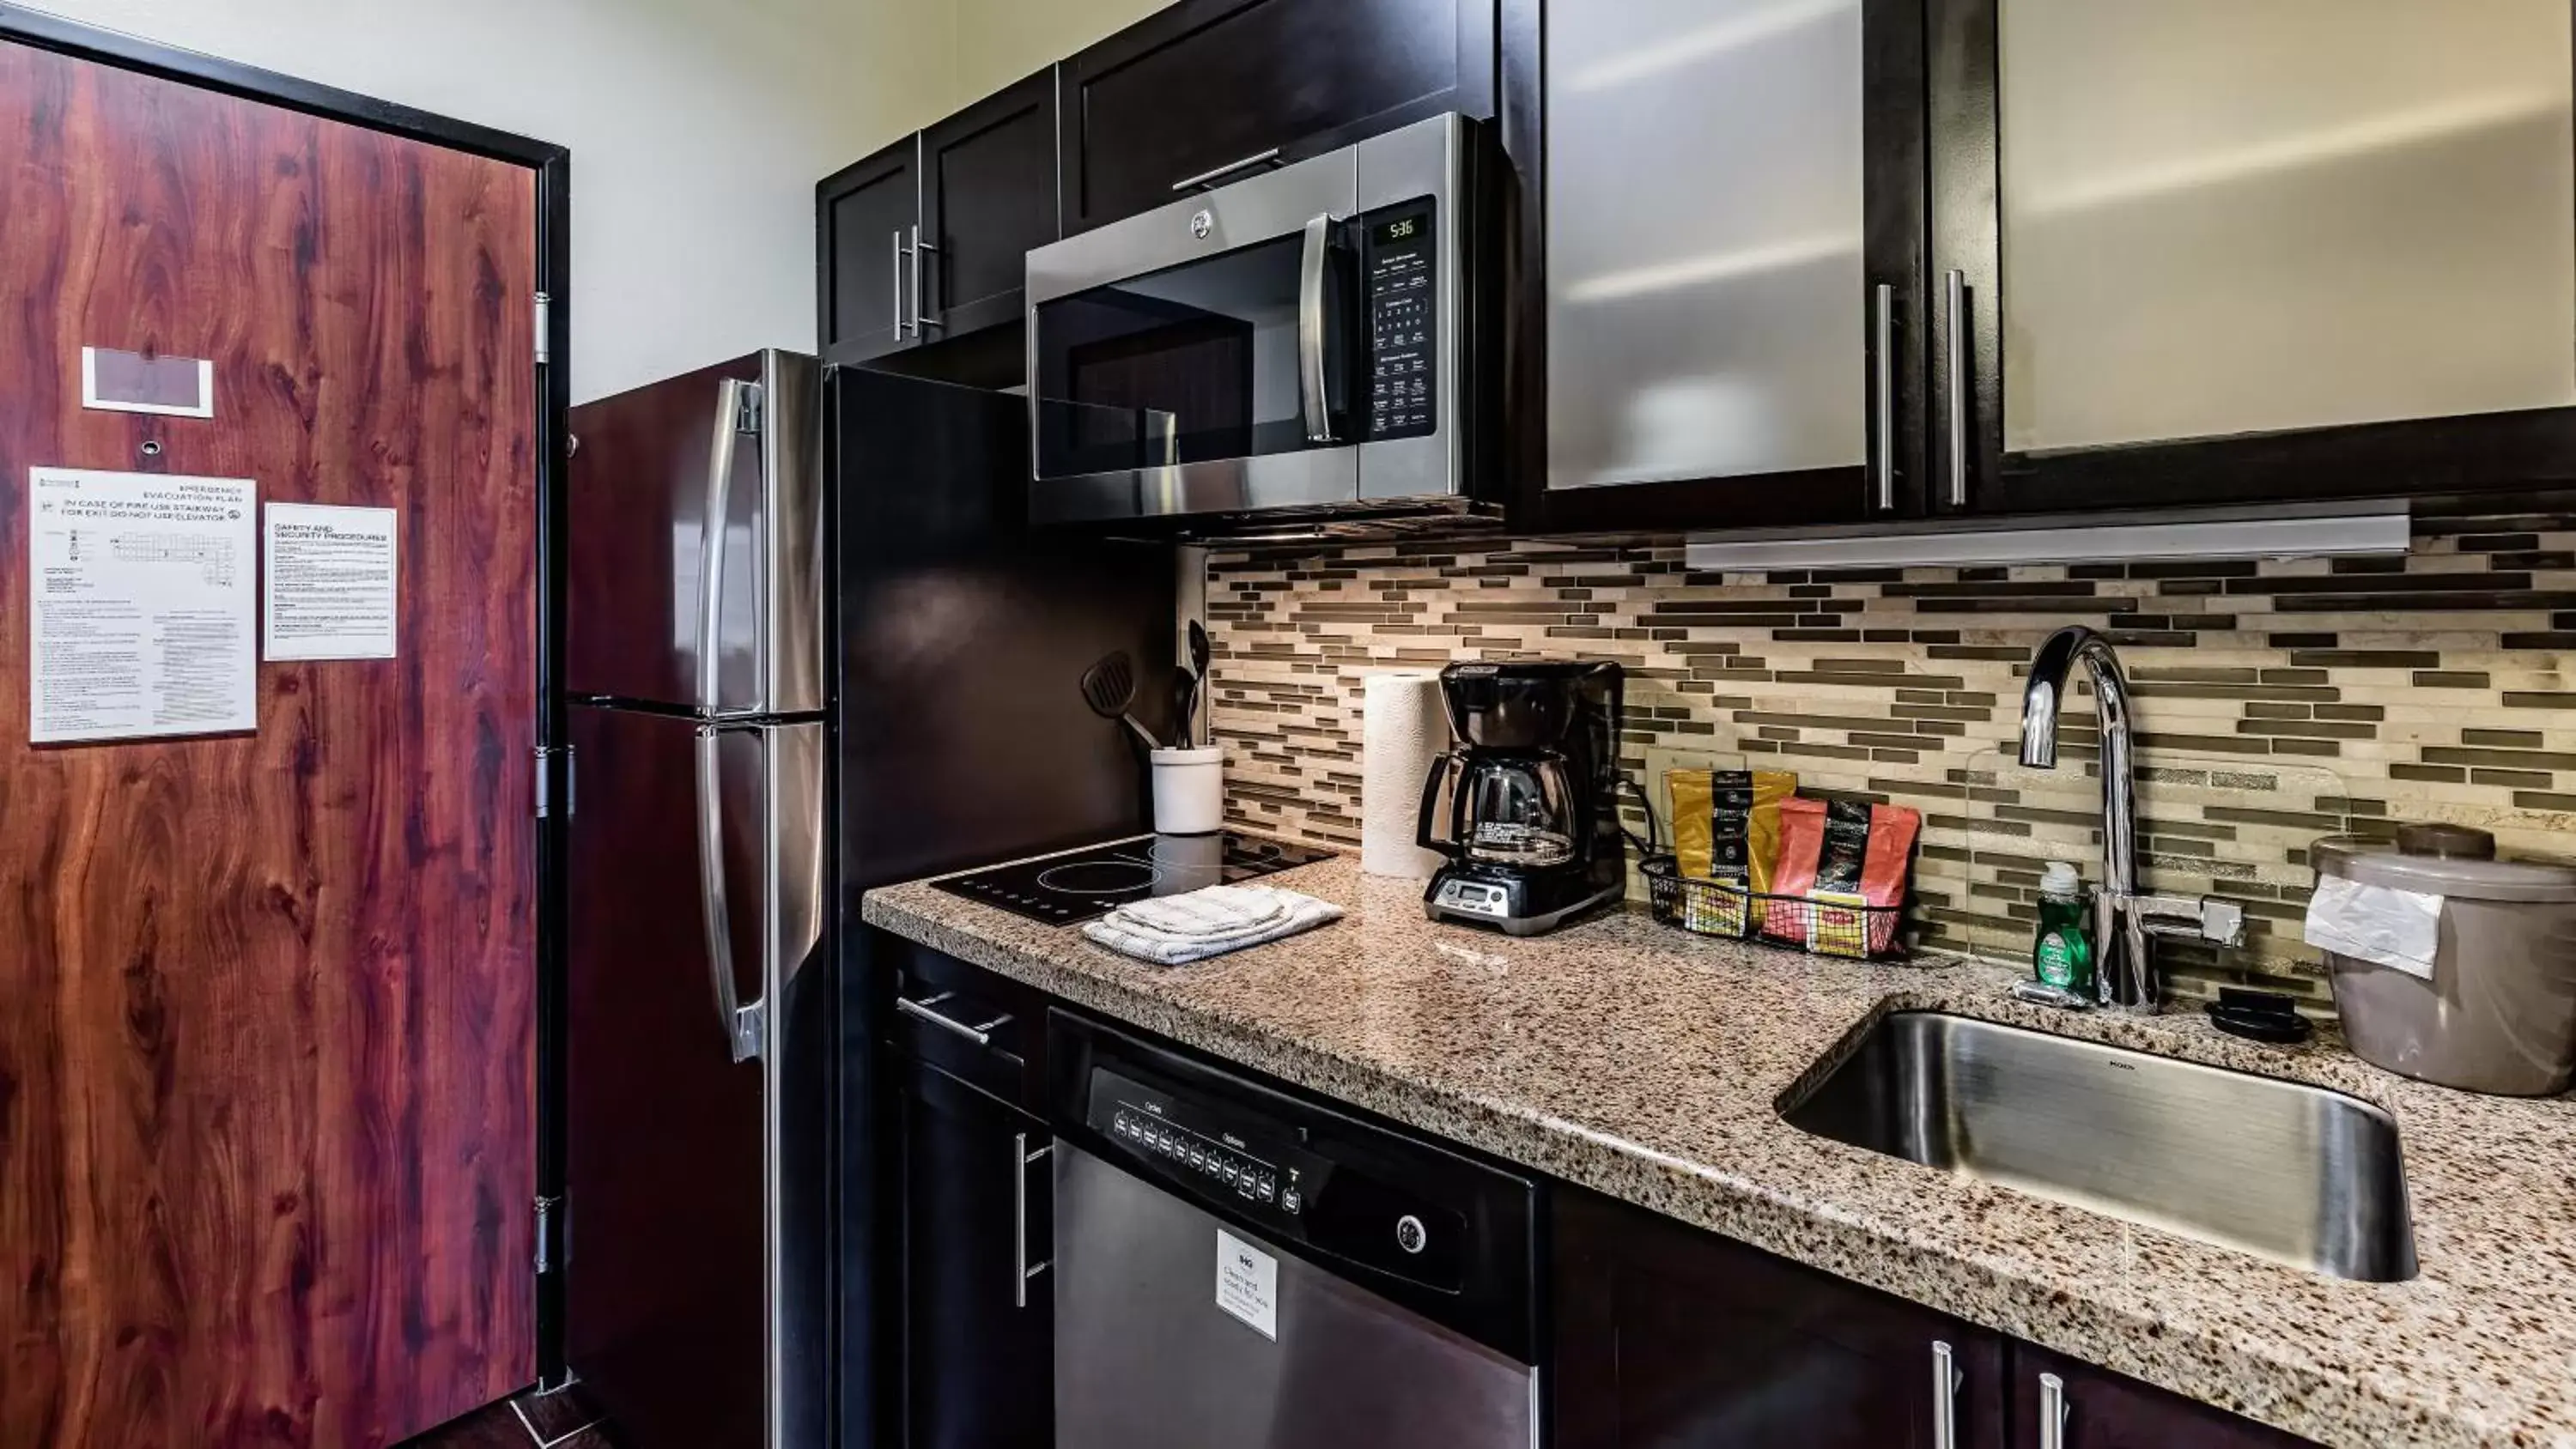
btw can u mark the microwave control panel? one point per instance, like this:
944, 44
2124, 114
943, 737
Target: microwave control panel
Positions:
1404, 328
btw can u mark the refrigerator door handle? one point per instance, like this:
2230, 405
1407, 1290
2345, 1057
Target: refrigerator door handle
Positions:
741, 1023
711, 548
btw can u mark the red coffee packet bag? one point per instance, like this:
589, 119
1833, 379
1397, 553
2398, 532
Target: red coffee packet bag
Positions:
1838, 854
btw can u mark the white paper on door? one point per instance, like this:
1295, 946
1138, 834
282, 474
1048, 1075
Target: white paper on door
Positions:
329, 573
141, 614
1247, 1283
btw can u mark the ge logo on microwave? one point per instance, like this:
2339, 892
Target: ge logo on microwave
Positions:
1201, 223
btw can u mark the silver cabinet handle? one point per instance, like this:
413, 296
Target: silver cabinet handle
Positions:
1956, 405
981, 1036
2052, 1412
1310, 330
898, 284
741, 1023
1945, 1397
1882, 392
919, 318
1200, 181
1022, 1159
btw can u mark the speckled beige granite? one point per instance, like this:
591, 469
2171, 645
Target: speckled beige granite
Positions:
1646, 1064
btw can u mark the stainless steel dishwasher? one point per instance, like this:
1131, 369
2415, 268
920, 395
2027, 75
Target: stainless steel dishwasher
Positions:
1239, 1266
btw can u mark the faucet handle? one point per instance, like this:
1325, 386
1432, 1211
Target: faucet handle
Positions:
2211, 918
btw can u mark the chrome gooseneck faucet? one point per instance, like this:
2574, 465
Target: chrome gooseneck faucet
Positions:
2123, 920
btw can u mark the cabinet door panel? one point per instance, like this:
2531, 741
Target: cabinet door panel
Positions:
2216, 252
1670, 1338
1729, 223
1209, 82
2105, 1410
978, 1342
863, 216
988, 195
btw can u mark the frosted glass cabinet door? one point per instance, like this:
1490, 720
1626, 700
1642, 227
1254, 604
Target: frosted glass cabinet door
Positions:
1707, 312
2235, 216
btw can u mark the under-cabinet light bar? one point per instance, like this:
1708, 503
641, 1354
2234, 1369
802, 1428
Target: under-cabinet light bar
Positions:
2110, 542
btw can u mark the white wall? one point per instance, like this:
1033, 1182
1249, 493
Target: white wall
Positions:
698, 127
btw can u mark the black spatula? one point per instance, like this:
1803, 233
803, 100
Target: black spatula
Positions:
1109, 687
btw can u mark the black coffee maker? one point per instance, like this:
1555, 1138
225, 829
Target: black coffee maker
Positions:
1528, 811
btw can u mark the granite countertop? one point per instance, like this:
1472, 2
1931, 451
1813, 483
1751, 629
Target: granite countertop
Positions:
1647, 1064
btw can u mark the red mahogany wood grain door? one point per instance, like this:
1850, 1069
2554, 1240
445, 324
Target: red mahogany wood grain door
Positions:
267, 1031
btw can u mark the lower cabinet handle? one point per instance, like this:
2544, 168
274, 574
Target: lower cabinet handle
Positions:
1022, 1159
1945, 1397
2053, 1412
981, 1036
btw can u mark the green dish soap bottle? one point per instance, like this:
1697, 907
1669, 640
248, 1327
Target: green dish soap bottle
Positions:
2061, 953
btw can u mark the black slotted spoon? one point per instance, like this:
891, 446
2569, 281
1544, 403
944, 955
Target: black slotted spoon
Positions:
1109, 687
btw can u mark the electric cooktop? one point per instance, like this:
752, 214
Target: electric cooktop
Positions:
1083, 884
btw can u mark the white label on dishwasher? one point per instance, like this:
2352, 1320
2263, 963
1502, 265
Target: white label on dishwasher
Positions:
1247, 1283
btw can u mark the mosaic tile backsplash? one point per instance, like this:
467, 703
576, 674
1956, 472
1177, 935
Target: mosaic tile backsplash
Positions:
2277, 700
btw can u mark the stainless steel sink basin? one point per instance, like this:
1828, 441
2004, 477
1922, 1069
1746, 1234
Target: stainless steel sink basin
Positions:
2298, 1174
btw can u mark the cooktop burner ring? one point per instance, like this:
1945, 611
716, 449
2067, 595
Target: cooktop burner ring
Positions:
1097, 877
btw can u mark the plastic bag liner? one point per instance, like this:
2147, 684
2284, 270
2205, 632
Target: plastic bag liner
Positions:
2379, 924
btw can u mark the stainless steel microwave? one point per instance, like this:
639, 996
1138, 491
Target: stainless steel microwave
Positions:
1296, 341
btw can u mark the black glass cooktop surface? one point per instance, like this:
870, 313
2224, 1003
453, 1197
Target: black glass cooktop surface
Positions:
1083, 884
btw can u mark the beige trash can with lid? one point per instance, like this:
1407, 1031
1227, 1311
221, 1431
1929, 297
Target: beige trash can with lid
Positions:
2499, 1013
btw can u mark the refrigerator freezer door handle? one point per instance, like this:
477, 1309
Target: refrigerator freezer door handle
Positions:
711, 548
742, 1024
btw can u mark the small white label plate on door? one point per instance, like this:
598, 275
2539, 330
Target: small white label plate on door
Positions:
1247, 1283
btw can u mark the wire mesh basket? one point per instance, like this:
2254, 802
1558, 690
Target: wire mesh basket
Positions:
1825, 924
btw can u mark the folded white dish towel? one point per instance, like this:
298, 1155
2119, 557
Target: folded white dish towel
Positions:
1170, 930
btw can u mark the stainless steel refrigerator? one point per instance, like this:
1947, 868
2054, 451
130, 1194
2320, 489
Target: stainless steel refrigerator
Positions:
811, 649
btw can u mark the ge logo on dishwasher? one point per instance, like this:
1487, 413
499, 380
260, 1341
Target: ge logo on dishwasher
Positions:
1409, 1234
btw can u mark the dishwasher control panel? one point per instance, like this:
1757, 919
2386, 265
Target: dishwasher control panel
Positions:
1251, 1178
1279, 1177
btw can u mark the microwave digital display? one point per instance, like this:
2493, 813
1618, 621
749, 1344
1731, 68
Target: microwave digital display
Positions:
1403, 323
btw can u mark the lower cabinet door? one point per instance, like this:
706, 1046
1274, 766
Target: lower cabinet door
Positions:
2098, 1409
1672, 1338
978, 1312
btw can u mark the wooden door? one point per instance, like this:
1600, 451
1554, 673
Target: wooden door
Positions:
1671, 1338
266, 999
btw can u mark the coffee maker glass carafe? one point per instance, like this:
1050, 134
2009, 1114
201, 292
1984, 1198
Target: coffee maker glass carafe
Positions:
1519, 811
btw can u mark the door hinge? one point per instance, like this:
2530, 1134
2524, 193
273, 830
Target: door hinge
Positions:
546, 758
550, 1216
545, 328
748, 406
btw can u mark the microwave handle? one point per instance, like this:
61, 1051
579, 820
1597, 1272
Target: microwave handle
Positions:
1311, 322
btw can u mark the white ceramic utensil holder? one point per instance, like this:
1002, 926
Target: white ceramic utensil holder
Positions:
1189, 791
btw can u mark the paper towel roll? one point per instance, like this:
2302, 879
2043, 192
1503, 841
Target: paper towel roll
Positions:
1403, 730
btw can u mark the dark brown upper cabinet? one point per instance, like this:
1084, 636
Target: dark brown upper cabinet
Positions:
988, 196
2209, 253
864, 217
929, 238
1210, 89
1718, 279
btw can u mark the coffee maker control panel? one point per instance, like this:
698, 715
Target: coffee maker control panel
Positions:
1475, 897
